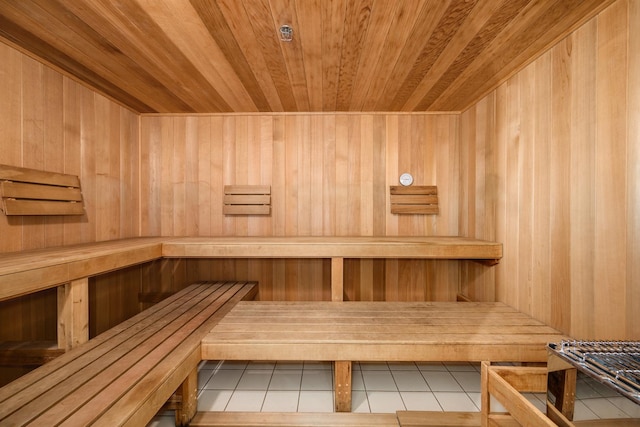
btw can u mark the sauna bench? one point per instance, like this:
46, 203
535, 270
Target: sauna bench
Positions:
30, 271
344, 332
125, 375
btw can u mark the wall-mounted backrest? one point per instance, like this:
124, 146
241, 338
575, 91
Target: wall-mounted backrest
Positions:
414, 199
33, 192
247, 200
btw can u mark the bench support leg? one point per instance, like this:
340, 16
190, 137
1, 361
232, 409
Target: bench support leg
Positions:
189, 391
343, 386
73, 314
337, 279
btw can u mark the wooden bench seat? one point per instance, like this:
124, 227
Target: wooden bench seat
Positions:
126, 374
343, 332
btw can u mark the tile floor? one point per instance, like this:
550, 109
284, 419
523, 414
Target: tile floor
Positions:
377, 387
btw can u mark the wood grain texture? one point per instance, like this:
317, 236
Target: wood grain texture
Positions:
329, 176
359, 55
555, 159
50, 122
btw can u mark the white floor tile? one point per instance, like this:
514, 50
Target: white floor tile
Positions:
255, 379
163, 421
289, 366
402, 366
627, 406
379, 381
313, 379
261, 365
455, 402
226, 379
410, 381
281, 401
204, 375
603, 408
315, 401
286, 379
214, 400
431, 366
357, 383
359, 402
441, 381
460, 367
385, 402
468, 380
374, 366
232, 364
582, 412
318, 365
420, 401
246, 400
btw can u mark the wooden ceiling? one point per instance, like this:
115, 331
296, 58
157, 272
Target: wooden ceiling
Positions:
210, 56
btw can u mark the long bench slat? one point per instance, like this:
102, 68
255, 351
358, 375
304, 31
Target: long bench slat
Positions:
53, 387
141, 361
130, 403
53, 372
127, 360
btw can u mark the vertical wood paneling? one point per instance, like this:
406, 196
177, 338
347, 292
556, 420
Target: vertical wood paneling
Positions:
567, 202
50, 122
330, 175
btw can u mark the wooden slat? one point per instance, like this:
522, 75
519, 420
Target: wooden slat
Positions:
247, 199
440, 419
18, 174
246, 210
247, 189
297, 419
33, 207
31, 191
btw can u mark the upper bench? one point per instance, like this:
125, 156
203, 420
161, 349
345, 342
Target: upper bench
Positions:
34, 270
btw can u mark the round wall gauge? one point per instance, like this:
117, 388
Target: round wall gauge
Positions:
406, 179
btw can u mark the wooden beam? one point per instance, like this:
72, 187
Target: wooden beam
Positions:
73, 313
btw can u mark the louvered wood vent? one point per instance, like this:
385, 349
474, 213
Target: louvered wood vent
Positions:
414, 199
247, 200
33, 192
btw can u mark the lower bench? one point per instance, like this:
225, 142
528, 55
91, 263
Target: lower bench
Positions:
343, 332
125, 375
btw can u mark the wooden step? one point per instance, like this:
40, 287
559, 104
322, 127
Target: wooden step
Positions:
299, 419
440, 419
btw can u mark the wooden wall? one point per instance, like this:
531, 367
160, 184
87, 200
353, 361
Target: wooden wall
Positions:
50, 122
551, 168
329, 175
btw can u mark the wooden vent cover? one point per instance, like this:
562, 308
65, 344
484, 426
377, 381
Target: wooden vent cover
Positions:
415, 199
247, 200
33, 192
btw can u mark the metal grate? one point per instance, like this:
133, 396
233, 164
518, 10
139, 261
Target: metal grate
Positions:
615, 363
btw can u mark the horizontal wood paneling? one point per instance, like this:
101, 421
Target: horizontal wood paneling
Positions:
49, 122
329, 176
550, 166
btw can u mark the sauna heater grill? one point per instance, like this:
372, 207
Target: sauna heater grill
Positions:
613, 363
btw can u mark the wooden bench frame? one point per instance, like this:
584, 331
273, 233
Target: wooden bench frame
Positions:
125, 375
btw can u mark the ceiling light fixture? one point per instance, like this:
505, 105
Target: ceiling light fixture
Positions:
286, 33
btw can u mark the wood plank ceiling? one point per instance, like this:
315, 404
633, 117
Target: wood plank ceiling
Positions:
210, 56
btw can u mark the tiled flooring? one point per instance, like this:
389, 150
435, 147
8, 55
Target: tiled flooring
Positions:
377, 387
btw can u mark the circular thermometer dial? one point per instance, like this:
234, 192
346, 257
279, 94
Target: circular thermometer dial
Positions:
406, 179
